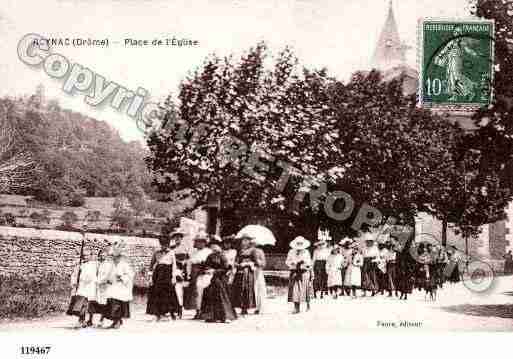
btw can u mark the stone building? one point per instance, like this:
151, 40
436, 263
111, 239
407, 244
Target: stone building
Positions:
390, 58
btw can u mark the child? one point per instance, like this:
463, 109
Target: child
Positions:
98, 305
86, 276
120, 280
353, 277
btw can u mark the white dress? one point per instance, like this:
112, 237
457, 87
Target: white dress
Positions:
121, 277
354, 272
334, 267
88, 280
102, 287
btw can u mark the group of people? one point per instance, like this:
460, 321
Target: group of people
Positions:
377, 267
223, 278
106, 286
214, 281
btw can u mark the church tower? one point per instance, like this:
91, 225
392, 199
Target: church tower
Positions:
390, 51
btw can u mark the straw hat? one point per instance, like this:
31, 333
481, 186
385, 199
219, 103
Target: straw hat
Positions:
214, 238
177, 233
344, 241
319, 242
368, 237
245, 235
201, 237
300, 243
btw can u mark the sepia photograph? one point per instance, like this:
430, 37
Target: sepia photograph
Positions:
174, 167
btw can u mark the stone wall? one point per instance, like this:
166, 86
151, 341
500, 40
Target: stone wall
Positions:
28, 251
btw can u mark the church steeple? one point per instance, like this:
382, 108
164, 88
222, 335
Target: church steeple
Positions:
390, 51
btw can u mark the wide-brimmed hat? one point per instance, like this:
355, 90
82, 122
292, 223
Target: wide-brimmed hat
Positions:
176, 233
245, 236
368, 237
201, 237
319, 242
300, 243
214, 238
344, 241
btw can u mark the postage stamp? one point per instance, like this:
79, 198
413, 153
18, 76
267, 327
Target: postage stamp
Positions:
456, 63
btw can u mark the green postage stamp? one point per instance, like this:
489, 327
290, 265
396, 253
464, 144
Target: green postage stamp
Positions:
456, 63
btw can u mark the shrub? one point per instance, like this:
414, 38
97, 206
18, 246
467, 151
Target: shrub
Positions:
69, 218
36, 218
33, 296
9, 219
76, 199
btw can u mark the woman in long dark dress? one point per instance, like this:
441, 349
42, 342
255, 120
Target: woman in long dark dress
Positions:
370, 267
162, 298
391, 272
406, 266
243, 287
216, 305
508, 263
453, 270
319, 259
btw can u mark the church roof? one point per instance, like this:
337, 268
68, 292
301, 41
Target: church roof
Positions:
390, 51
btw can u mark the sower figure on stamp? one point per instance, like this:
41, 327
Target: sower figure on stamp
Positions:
162, 298
300, 282
451, 58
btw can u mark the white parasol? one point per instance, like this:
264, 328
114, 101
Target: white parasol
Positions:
262, 235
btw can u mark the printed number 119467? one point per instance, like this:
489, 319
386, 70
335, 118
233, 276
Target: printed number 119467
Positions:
35, 350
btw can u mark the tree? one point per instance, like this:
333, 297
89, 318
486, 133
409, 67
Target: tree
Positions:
232, 110
17, 168
494, 136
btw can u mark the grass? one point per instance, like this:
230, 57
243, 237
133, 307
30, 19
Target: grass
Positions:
34, 296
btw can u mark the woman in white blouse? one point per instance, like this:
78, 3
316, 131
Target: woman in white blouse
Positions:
300, 282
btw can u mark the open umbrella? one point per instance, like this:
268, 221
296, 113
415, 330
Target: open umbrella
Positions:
262, 235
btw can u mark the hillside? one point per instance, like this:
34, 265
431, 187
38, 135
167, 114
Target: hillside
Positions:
100, 214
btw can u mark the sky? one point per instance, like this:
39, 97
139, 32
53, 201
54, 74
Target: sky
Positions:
337, 34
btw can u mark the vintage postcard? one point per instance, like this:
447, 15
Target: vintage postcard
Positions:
281, 167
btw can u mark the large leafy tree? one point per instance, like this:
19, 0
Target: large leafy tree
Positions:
255, 105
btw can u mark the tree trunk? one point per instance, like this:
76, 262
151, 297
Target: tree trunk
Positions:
444, 232
213, 209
